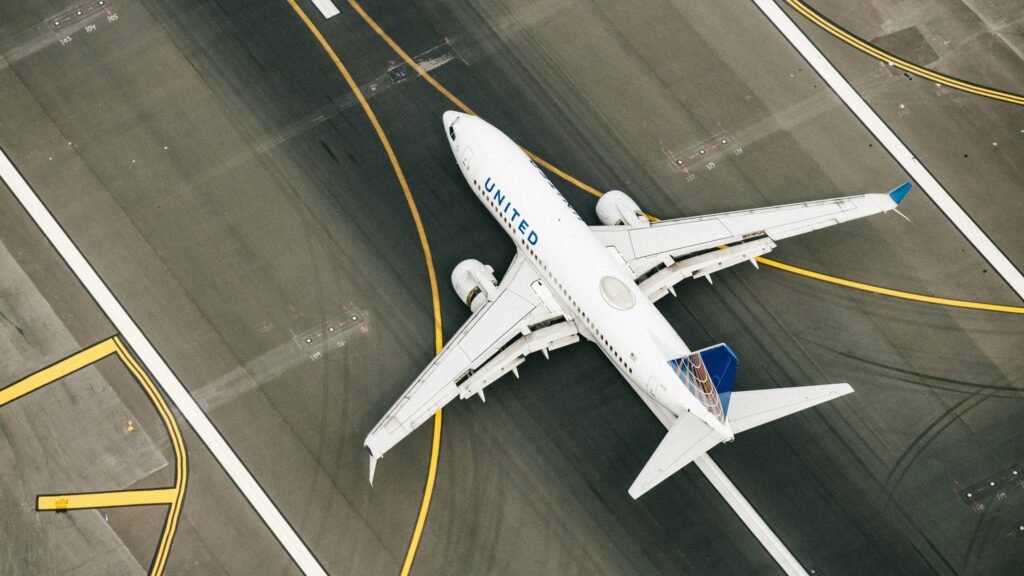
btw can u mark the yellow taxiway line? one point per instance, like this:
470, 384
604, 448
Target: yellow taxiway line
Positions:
180, 456
62, 502
889, 291
57, 370
171, 497
438, 338
839, 32
594, 191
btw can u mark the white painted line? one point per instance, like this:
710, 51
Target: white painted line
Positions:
327, 8
749, 516
165, 378
894, 145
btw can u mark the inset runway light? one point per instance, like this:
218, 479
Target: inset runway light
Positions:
995, 143
991, 483
57, 23
969, 495
331, 329
308, 340
724, 141
680, 162
701, 151
355, 318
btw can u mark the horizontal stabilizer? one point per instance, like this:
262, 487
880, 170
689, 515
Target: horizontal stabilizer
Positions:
756, 407
688, 438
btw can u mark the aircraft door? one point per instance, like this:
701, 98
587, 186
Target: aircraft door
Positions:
652, 386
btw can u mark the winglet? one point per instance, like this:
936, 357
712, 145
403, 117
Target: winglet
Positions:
373, 461
898, 194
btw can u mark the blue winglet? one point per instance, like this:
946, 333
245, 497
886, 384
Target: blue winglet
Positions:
898, 194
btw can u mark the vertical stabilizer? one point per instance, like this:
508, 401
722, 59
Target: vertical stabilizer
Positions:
709, 375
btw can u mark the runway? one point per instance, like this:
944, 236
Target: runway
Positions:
215, 168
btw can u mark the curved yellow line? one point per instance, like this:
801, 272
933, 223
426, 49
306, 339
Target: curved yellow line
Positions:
180, 457
171, 496
839, 32
773, 263
889, 291
438, 339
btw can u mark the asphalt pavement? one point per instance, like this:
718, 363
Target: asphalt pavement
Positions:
213, 165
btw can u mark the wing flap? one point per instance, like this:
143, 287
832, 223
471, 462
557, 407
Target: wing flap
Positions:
509, 305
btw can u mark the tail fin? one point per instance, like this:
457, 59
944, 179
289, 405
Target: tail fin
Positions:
756, 407
709, 374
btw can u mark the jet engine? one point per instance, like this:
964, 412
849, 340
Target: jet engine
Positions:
615, 208
474, 282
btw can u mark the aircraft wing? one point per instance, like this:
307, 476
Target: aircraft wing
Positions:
522, 318
748, 233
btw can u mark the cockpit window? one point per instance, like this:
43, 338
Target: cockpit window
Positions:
451, 132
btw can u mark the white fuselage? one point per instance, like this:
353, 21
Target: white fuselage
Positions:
591, 282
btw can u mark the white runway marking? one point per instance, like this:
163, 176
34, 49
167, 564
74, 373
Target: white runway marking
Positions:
894, 145
750, 517
165, 378
326, 7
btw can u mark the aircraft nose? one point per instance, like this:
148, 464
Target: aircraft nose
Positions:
450, 117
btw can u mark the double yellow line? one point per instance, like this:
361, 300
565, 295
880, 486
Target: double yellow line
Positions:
180, 457
839, 32
171, 497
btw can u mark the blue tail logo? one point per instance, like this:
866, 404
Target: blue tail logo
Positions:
709, 374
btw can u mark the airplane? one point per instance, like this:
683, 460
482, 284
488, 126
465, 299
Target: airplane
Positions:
569, 280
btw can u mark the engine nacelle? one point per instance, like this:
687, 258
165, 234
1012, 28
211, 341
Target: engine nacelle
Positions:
474, 282
615, 208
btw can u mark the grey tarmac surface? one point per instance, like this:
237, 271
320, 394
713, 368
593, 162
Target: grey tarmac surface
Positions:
224, 183
96, 430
